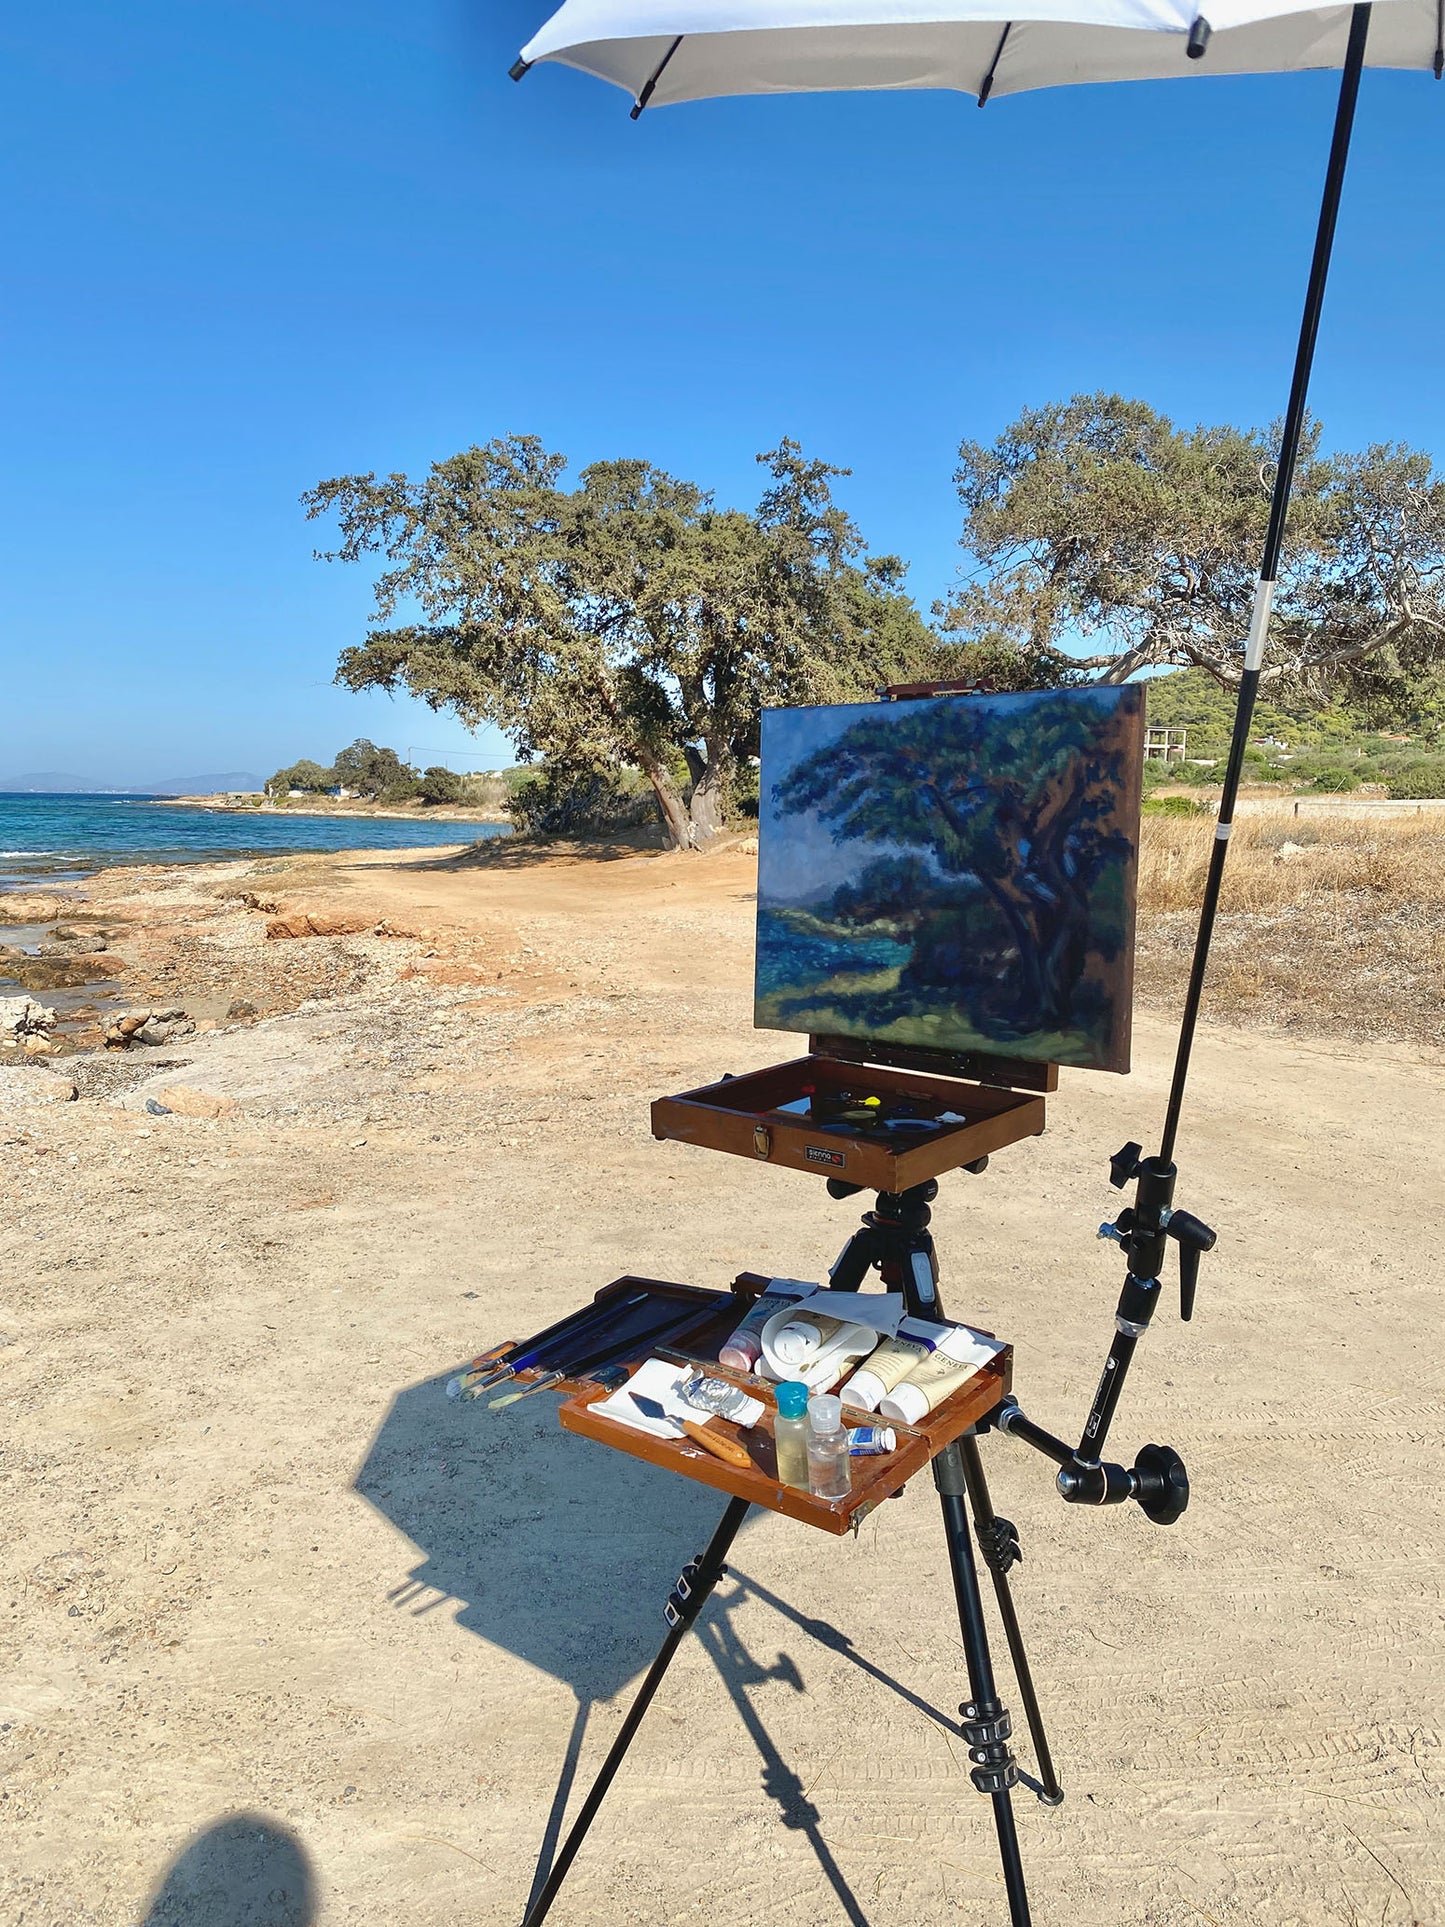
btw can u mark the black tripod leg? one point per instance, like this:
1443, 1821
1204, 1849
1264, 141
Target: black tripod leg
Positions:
986, 1724
1000, 1548
686, 1602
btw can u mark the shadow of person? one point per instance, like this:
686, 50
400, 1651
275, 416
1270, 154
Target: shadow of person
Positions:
245, 1871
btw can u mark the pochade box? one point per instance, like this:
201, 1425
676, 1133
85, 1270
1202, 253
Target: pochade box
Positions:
697, 1339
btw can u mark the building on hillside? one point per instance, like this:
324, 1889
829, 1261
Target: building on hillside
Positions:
1166, 742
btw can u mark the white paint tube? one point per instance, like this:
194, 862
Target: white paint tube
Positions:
892, 1362
810, 1346
953, 1362
745, 1347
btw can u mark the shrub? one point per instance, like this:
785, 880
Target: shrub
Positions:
438, 785
1175, 806
578, 800
1335, 779
1423, 779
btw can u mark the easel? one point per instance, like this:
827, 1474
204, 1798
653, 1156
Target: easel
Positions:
991, 1102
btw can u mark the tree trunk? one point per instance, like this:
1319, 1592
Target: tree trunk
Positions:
709, 793
674, 812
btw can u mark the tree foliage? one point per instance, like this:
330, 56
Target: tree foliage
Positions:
376, 773
305, 775
626, 620
1097, 522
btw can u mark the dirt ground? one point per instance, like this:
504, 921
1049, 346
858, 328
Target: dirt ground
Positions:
290, 1638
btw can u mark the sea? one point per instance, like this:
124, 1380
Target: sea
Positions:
73, 836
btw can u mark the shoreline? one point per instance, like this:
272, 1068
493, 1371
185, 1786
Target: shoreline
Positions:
423, 813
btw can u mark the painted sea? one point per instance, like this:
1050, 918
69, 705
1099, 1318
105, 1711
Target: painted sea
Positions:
58, 836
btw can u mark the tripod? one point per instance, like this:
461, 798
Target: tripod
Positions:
895, 1241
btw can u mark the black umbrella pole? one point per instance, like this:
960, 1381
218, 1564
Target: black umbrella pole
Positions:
1269, 563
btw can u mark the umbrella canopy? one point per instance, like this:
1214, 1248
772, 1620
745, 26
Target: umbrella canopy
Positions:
663, 51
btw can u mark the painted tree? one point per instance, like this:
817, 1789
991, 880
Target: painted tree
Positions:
1019, 799
626, 620
1109, 541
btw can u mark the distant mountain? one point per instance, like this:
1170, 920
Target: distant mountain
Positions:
50, 782
231, 779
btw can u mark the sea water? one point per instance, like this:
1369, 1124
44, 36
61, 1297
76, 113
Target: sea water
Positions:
60, 836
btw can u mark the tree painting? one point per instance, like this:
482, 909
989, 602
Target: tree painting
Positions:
955, 872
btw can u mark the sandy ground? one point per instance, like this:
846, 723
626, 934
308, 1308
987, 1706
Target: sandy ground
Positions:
290, 1638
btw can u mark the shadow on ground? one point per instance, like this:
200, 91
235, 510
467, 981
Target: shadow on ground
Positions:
562, 1551
245, 1871
515, 852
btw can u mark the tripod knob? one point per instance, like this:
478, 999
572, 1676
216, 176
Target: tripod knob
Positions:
1125, 1165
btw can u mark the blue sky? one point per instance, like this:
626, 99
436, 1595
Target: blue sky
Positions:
250, 245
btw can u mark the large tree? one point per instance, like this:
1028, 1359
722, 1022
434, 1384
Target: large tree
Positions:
628, 619
1110, 541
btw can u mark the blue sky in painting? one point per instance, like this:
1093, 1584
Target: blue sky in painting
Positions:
798, 861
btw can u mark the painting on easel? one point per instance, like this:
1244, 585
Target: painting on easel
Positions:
955, 873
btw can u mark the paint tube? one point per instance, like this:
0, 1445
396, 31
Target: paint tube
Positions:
952, 1362
892, 1362
745, 1347
807, 1344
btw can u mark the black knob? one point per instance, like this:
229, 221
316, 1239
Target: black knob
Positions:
1125, 1165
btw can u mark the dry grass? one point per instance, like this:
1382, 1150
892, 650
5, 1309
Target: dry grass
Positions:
1329, 923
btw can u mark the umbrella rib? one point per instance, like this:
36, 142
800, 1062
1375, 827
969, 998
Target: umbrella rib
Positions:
657, 72
1439, 39
986, 88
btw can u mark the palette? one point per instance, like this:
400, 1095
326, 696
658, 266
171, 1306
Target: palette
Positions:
718, 1315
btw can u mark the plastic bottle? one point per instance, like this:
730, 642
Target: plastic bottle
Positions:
829, 1475
790, 1434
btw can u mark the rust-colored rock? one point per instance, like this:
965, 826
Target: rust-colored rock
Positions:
300, 924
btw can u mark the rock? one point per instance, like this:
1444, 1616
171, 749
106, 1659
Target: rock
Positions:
241, 1007
324, 926
1288, 852
299, 923
132, 1022
184, 1101
172, 1016
22, 1017
157, 1109
25, 1087
35, 909
156, 1032
748, 846
39, 1047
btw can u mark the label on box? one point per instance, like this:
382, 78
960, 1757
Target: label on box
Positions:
816, 1154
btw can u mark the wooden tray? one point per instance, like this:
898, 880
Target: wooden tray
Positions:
741, 1115
719, 1312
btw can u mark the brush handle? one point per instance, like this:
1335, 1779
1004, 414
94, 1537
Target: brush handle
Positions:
731, 1451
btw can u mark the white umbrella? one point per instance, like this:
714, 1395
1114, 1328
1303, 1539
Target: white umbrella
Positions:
662, 51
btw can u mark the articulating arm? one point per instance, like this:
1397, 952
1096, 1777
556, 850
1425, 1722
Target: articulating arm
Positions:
1157, 1479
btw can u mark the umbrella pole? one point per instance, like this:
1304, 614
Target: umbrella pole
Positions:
1269, 564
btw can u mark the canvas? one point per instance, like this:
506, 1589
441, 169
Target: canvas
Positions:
957, 872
